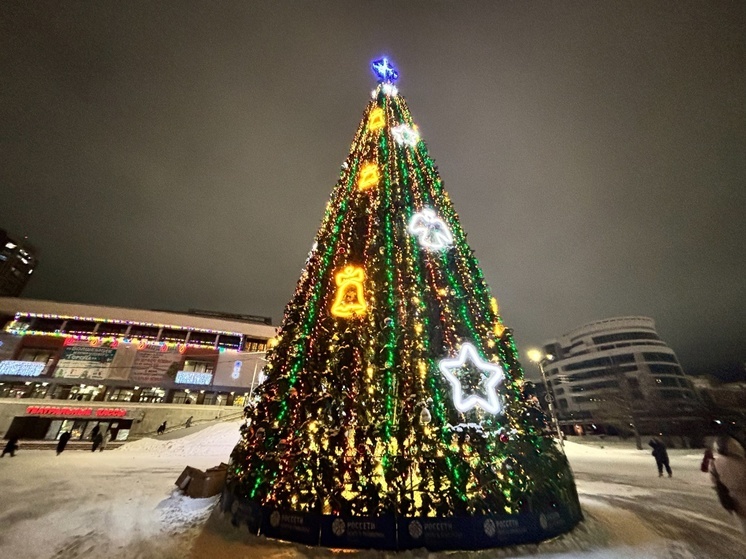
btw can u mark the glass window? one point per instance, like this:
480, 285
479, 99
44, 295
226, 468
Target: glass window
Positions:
152, 395
605, 372
657, 356
601, 362
661, 368
625, 336
84, 393
39, 390
202, 338
144, 332
595, 386
198, 366
53, 432
80, 326
13, 390
120, 395
113, 329
184, 397
75, 426
666, 381
36, 355
673, 395
48, 324
173, 335
229, 342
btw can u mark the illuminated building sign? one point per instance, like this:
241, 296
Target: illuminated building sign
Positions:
66, 411
190, 377
22, 368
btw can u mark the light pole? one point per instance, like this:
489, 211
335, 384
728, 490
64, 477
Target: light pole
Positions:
538, 357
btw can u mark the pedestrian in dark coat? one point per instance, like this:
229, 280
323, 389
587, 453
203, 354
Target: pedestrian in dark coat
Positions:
11, 447
62, 443
661, 457
728, 473
97, 440
162, 428
95, 431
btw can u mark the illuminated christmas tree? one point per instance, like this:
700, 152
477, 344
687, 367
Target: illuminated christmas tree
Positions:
393, 391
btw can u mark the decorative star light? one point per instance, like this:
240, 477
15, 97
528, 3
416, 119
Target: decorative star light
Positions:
493, 374
384, 70
405, 135
431, 231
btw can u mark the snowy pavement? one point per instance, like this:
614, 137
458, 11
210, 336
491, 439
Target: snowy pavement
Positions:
123, 503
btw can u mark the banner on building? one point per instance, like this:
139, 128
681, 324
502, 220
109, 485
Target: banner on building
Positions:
154, 366
84, 361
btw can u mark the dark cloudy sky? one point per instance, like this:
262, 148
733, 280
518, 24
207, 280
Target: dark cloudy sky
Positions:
180, 154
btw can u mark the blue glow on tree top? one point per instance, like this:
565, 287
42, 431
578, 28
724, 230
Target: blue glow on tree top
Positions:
384, 70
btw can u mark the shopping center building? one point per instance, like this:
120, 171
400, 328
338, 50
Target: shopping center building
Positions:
68, 367
609, 373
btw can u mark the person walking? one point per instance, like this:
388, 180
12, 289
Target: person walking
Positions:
728, 474
10, 447
188, 423
162, 428
661, 456
97, 440
95, 431
62, 443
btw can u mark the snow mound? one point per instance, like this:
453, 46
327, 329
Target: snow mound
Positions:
216, 440
181, 512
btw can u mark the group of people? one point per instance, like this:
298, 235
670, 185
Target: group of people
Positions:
99, 439
725, 461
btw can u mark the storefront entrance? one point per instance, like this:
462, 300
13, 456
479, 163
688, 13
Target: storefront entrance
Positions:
48, 429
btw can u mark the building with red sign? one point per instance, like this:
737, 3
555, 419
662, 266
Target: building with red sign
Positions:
67, 366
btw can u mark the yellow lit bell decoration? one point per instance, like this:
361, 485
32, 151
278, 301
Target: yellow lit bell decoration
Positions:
376, 120
368, 176
499, 328
350, 300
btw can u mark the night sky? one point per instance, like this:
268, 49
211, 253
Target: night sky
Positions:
179, 155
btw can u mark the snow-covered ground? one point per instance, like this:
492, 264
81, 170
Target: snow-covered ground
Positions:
123, 504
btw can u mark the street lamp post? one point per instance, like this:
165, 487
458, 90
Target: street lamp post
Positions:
539, 358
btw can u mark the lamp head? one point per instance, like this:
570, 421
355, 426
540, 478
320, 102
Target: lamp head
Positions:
535, 355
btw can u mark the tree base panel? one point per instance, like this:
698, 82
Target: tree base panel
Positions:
399, 533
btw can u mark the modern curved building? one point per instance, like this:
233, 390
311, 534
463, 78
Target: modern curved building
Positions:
609, 373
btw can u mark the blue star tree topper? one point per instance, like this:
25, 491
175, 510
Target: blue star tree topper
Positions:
384, 70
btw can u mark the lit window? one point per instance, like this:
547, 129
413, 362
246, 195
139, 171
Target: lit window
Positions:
198, 366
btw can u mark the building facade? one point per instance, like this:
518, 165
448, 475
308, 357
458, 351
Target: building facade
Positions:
70, 366
17, 263
613, 374
726, 401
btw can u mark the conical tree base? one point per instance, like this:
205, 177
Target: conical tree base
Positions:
392, 414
